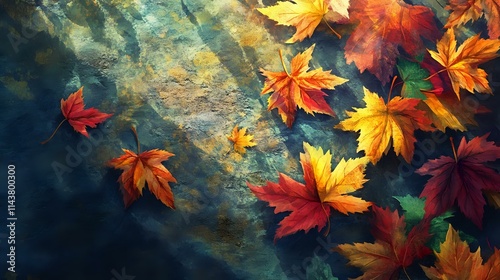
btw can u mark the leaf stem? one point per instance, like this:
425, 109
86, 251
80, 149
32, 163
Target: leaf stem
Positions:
53, 133
390, 90
454, 150
334, 32
328, 218
440, 71
136, 139
406, 273
283, 62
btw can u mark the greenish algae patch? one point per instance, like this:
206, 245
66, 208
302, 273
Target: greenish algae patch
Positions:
19, 88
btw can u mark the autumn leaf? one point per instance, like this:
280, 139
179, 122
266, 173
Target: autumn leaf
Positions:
471, 10
383, 26
141, 168
310, 203
305, 15
462, 63
379, 123
461, 179
445, 111
413, 76
392, 250
240, 140
78, 117
299, 88
456, 261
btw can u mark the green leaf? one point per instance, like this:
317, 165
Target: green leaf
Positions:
413, 79
413, 208
439, 228
319, 270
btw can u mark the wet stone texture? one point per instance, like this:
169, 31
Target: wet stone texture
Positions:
184, 73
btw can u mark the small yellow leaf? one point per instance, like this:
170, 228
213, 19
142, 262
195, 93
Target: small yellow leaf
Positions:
240, 140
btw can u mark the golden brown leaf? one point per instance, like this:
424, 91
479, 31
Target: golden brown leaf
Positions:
455, 261
446, 112
471, 10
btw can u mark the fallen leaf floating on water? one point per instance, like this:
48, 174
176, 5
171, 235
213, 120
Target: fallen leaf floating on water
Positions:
305, 15
456, 261
463, 11
240, 140
392, 250
310, 203
382, 27
461, 179
73, 110
299, 88
378, 123
462, 63
141, 168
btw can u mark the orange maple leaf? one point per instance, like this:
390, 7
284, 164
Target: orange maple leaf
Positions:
455, 261
299, 88
141, 168
462, 63
306, 15
383, 27
240, 140
471, 10
378, 123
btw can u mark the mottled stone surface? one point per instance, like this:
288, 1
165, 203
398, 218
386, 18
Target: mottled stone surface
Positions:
184, 73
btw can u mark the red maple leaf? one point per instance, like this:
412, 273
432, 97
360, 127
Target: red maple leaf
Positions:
385, 25
78, 117
461, 179
310, 202
392, 250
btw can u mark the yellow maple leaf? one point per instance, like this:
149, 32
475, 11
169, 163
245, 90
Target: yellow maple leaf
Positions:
305, 15
333, 186
240, 140
462, 63
378, 123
